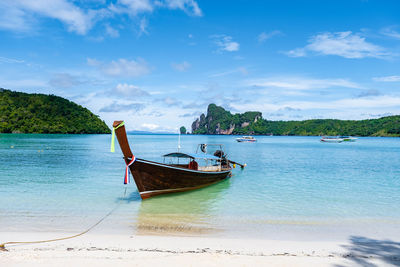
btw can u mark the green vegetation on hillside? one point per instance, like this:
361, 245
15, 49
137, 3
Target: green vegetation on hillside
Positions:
182, 130
39, 113
218, 121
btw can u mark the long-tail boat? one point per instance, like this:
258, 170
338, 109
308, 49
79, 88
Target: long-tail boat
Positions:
331, 139
154, 178
249, 139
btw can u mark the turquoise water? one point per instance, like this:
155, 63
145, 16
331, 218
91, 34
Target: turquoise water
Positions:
291, 185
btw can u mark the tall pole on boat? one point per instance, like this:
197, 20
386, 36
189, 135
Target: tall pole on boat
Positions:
179, 141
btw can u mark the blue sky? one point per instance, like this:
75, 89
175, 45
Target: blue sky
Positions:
158, 64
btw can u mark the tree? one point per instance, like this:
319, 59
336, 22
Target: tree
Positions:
182, 130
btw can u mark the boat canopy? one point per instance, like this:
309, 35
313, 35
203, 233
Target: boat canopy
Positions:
191, 155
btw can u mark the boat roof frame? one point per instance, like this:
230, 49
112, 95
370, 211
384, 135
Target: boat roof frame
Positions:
192, 156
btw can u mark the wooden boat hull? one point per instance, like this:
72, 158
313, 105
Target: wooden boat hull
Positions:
153, 178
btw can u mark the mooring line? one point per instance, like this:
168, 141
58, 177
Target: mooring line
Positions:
3, 245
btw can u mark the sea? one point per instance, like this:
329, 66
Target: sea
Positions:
292, 188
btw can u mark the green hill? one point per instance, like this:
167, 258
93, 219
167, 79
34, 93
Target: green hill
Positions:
39, 113
220, 121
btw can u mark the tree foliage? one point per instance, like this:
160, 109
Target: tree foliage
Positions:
253, 123
182, 130
39, 113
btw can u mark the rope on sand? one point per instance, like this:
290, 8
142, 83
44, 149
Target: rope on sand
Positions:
3, 245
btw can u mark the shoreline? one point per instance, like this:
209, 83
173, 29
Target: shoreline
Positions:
103, 250
196, 134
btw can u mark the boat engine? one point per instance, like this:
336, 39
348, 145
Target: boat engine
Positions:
222, 155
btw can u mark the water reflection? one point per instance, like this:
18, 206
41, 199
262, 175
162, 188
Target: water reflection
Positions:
130, 197
187, 213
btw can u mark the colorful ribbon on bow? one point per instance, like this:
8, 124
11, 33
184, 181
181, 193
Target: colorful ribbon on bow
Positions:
127, 177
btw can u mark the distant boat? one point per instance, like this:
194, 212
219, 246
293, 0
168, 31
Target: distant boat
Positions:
182, 172
348, 138
331, 139
246, 139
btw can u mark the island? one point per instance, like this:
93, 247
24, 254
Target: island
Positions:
220, 121
40, 113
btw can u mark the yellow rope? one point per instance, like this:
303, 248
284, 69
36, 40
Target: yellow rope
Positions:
3, 245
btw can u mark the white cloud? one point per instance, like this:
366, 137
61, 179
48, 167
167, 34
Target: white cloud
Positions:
298, 52
10, 60
119, 103
16, 19
262, 37
343, 44
225, 43
121, 67
169, 101
189, 6
241, 70
299, 83
369, 93
382, 101
373, 102
93, 62
394, 78
132, 7
135, 7
346, 108
129, 90
23, 83
389, 31
111, 31
149, 126
23, 12
120, 107
143, 26
191, 115
25, 15
64, 80
184, 66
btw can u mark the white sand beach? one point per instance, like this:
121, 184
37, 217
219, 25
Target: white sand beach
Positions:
95, 249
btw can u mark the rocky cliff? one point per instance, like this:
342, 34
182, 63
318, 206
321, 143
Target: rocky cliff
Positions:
220, 121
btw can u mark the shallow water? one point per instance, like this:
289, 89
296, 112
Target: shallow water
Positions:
292, 186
